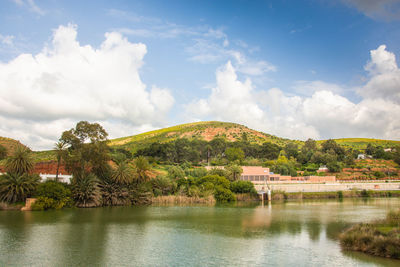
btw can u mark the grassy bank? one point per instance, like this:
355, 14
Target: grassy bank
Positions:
182, 200
279, 195
379, 238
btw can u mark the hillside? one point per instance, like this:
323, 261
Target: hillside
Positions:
199, 130
362, 143
9, 144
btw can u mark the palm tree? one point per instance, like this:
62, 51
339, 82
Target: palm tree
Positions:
113, 194
59, 148
15, 187
20, 162
86, 191
142, 166
123, 173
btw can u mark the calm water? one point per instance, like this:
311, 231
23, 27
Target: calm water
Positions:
282, 234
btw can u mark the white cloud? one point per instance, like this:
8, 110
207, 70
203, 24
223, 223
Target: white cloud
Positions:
321, 113
41, 95
384, 76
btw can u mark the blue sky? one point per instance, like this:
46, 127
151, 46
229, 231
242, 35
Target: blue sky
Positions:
297, 69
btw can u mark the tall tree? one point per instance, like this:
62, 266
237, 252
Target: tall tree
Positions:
87, 149
59, 148
234, 172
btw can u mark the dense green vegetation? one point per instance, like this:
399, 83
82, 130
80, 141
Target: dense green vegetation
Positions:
109, 177
200, 131
18, 183
104, 175
379, 238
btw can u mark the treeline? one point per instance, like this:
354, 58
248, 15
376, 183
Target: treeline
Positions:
285, 160
103, 178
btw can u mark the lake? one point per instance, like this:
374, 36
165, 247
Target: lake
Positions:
298, 233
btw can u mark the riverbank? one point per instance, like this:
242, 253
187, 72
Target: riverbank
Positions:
280, 195
379, 238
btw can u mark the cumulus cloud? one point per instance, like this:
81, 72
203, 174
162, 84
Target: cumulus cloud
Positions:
41, 95
320, 113
384, 76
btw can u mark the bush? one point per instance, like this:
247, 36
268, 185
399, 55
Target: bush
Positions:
378, 174
196, 172
163, 186
334, 166
240, 187
52, 195
45, 203
222, 194
176, 172
216, 180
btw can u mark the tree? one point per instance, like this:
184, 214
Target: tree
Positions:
142, 167
123, 173
310, 145
86, 191
3, 152
218, 146
16, 187
20, 162
233, 172
59, 148
234, 153
334, 166
269, 150
87, 149
291, 150
330, 146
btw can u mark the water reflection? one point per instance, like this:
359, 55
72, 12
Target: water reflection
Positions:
170, 235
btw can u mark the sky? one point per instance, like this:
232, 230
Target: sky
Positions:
297, 69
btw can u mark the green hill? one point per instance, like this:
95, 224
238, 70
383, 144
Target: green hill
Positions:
362, 143
10, 144
200, 130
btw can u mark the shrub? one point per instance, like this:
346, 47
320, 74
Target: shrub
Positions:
216, 180
222, 194
340, 194
16, 187
240, 187
334, 166
378, 174
176, 172
365, 193
52, 195
196, 172
163, 186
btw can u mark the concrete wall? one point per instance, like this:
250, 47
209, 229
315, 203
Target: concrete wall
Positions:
329, 187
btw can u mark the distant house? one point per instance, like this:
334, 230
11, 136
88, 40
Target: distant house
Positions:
387, 150
361, 156
323, 168
261, 175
